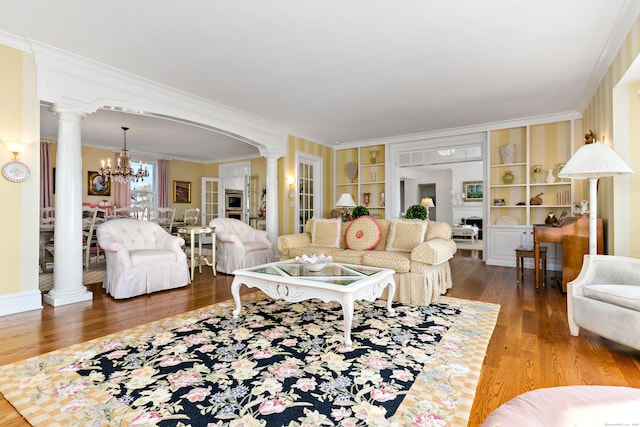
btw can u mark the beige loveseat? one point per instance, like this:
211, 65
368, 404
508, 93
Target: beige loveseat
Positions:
418, 251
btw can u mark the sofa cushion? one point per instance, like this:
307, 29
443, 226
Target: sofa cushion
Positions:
363, 234
141, 257
349, 256
627, 296
406, 234
438, 230
326, 232
398, 261
309, 250
385, 226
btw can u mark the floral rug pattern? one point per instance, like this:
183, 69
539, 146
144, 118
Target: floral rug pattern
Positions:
278, 364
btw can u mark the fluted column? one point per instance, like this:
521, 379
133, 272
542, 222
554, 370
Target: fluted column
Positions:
67, 261
272, 198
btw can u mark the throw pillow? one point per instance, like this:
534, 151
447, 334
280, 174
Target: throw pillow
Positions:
363, 234
326, 232
406, 234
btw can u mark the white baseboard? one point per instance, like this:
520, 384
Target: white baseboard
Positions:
19, 302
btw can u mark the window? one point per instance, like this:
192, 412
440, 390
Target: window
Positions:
143, 193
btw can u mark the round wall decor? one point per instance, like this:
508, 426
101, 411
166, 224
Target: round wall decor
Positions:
16, 171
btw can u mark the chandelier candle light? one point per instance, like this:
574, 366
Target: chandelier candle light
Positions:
123, 173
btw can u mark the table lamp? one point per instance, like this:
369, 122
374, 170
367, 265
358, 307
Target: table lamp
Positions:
345, 201
593, 161
427, 202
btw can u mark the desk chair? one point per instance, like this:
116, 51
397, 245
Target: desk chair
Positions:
521, 254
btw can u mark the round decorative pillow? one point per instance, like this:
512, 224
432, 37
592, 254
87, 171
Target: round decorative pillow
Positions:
363, 234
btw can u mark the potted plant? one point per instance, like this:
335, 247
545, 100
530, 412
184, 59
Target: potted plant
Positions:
416, 212
359, 211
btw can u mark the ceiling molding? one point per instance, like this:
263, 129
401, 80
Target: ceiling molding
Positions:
79, 83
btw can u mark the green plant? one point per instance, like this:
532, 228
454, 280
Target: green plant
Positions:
359, 211
416, 212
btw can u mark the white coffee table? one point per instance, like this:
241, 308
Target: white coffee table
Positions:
293, 282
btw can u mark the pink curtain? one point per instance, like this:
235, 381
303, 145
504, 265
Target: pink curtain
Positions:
163, 183
122, 191
45, 173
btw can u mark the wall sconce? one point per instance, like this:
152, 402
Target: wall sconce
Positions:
292, 192
15, 170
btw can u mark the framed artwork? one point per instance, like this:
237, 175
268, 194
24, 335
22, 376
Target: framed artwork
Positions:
472, 191
181, 191
97, 185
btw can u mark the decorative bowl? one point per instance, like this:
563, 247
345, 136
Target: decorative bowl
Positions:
314, 262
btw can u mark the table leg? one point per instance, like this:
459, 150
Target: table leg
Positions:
390, 294
235, 292
193, 255
347, 312
536, 260
200, 253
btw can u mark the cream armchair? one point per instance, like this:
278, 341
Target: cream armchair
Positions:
605, 299
141, 258
240, 246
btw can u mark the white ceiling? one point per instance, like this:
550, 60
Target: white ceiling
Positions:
334, 70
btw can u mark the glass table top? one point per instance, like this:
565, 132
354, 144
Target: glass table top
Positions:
337, 274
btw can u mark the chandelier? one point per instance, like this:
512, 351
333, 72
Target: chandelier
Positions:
123, 172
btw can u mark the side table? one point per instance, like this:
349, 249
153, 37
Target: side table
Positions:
197, 258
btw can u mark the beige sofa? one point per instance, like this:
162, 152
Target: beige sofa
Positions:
419, 251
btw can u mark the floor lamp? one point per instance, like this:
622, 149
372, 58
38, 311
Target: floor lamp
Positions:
593, 161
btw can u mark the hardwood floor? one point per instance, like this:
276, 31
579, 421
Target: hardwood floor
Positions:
530, 348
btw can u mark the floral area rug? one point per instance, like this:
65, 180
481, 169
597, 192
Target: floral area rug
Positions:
278, 364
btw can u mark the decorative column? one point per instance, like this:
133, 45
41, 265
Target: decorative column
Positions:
272, 198
67, 260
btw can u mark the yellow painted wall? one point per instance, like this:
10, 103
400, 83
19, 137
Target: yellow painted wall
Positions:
19, 121
287, 167
634, 162
599, 117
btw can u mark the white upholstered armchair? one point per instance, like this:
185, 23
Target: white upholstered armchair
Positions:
605, 299
141, 258
239, 245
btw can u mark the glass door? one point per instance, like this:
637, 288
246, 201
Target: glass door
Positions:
309, 183
211, 206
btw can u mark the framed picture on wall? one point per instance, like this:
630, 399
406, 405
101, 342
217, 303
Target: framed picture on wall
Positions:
181, 191
97, 185
472, 191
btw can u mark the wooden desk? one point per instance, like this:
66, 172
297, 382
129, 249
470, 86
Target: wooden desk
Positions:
574, 236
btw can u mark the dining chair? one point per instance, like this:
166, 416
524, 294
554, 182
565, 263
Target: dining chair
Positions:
91, 218
191, 216
163, 216
128, 212
47, 225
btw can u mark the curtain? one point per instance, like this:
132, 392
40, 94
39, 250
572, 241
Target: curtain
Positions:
45, 181
163, 183
122, 191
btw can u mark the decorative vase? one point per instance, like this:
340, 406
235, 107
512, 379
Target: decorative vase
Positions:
537, 174
382, 199
550, 178
366, 198
508, 153
508, 178
374, 157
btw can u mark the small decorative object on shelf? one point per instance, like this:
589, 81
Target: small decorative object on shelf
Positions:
498, 202
557, 170
508, 178
366, 197
374, 157
536, 200
351, 170
508, 153
551, 218
581, 208
537, 174
382, 200
550, 178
